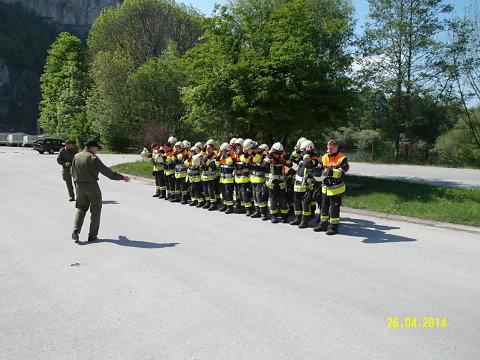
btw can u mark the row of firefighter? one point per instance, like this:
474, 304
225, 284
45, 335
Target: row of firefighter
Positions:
253, 179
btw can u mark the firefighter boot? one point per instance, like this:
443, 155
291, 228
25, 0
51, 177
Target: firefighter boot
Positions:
297, 221
229, 209
284, 218
162, 194
184, 200
207, 204
194, 203
157, 193
273, 219
223, 208
332, 229
248, 211
322, 227
200, 204
212, 207
304, 223
256, 214
264, 214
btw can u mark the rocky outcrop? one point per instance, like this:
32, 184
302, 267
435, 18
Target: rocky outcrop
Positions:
70, 13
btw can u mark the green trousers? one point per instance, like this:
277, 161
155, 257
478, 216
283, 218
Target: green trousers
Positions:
68, 180
88, 196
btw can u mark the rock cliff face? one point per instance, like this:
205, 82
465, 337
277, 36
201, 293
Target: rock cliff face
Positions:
78, 14
20, 86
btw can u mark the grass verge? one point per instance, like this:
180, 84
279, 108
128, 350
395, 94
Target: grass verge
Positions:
438, 203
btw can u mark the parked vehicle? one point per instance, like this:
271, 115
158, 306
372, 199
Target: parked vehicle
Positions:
15, 139
48, 145
28, 140
3, 139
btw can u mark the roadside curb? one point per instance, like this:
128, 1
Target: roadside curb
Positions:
437, 224
379, 215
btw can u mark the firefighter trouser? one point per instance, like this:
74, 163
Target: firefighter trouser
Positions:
302, 203
196, 191
244, 193
160, 181
170, 183
259, 197
330, 210
181, 188
227, 193
209, 191
278, 200
218, 191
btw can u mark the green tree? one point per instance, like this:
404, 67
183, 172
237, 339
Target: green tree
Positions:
398, 52
64, 87
135, 80
267, 68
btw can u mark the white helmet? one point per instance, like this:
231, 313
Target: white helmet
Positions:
277, 147
233, 141
239, 141
224, 146
186, 143
144, 154
179, 143
299, 142
210, 142
196, 149
198, 144
264, 147
196, 159
307, 145
248, 144
159, 158
172, 139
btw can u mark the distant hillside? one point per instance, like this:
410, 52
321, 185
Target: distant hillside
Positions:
27, 29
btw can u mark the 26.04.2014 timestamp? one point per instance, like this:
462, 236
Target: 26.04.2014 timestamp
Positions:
426, 322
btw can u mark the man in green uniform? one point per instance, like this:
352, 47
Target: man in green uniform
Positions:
85, 168
65, 158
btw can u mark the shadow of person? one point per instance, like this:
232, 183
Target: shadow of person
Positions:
124, 241
372, 232
110, 202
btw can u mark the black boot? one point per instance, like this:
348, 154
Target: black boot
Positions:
322, 227
162, 194
207, 204
304, 223
256, 214
212, 207
264, 214
273, 219
297, 221
157, 194
332, 229
194, 203
168, 197
238, 205
248, 211
200, 204
229, 209
284, 218
223, 208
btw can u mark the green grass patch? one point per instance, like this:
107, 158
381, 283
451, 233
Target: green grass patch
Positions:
438, 203
137, 168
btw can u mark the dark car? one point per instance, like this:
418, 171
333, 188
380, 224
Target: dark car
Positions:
48, 145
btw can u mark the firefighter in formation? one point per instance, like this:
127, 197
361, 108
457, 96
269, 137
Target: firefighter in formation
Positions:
253, 178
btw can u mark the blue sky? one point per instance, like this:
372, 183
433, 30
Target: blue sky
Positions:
361, 6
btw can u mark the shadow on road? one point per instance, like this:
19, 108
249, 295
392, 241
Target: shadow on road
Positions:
370, 231
124, 241
110, 202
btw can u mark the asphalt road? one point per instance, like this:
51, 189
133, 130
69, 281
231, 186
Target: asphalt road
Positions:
454, 177
167, 281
